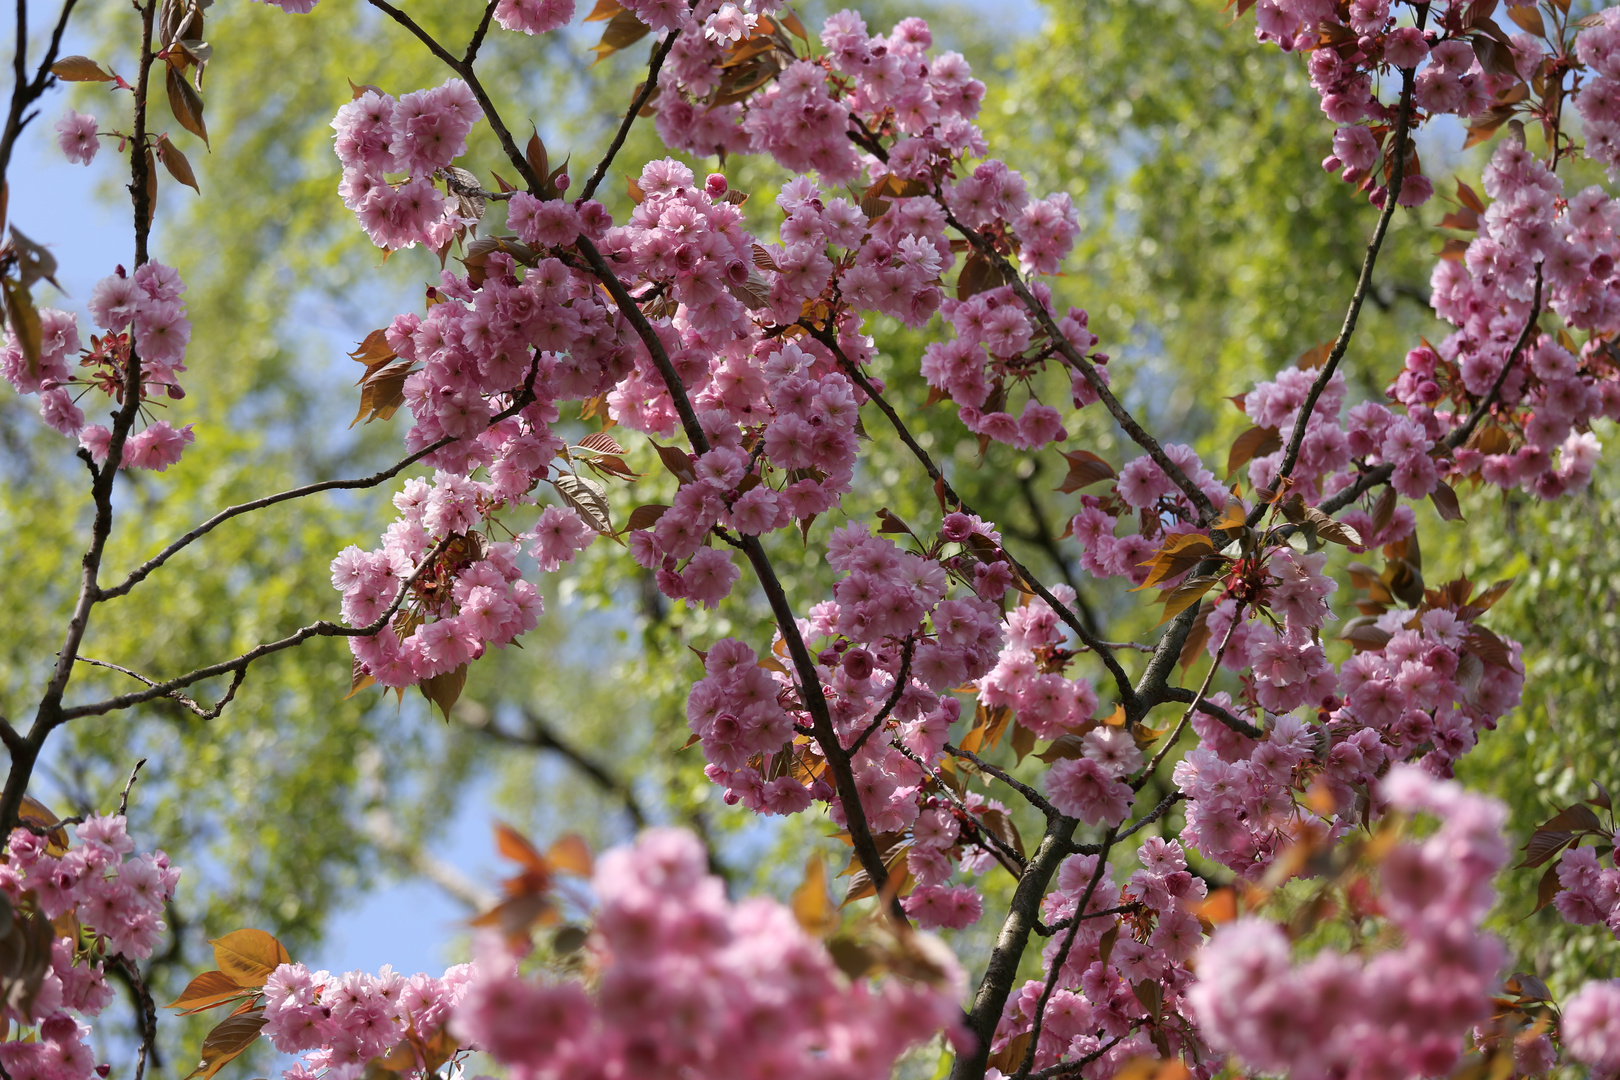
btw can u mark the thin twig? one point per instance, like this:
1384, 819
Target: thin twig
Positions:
524, 399
1061, 958
145, 1011
473, 45
240, 663
189, 703
1063, 924
894, 695
1033, 797
1198, 698
1063, 1068
645, 95
1102, 648
1183, 696
1392, 192
123, 800
1004, 852
1155, 814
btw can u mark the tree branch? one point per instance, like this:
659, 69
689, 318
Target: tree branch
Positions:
237, 664
1392, 191
1091, 641
1061, 958
991, 996
645, 95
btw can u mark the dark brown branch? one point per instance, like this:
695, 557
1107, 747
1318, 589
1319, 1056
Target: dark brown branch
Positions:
648, 88
1397, 175
894, 695
477, 41
50, 714
24, 92
1090, 640
190, 704
1182, 695
140, 573
1033, 797
1063, 924
240, 663
1061, 958
145, 1011
1064, 1068
991, 996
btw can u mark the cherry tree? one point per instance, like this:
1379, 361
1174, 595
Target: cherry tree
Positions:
1320, 784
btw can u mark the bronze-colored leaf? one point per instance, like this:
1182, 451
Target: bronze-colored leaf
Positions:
1543, 845
186, 104
1548, 888
80, 69
1578, 818
645, 517
677, 462
1383, 512
1256, 442
1085, 469
602, 443
1011, 1056
535, 155
249, 956
978, 274
1185, 595
382, 391
570, 854
1064, 748
1445, 501
588, 498
444, 690
228, 1040
812, 905
1332, 530
604, 10
23, 319
1488, 647
622, 31
176, 163
206, 991
25, 957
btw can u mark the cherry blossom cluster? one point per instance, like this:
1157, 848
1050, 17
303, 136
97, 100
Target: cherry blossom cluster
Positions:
340, 1023
1589, 1027
463, 596
1405, 1011
143, 311
1115, 964
1424, 694
690, 984
1354, 48
1530, 233
417, 135
890, 646
119, 903
1591, 892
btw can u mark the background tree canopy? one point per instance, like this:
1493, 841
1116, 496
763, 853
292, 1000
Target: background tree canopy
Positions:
1212, 253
